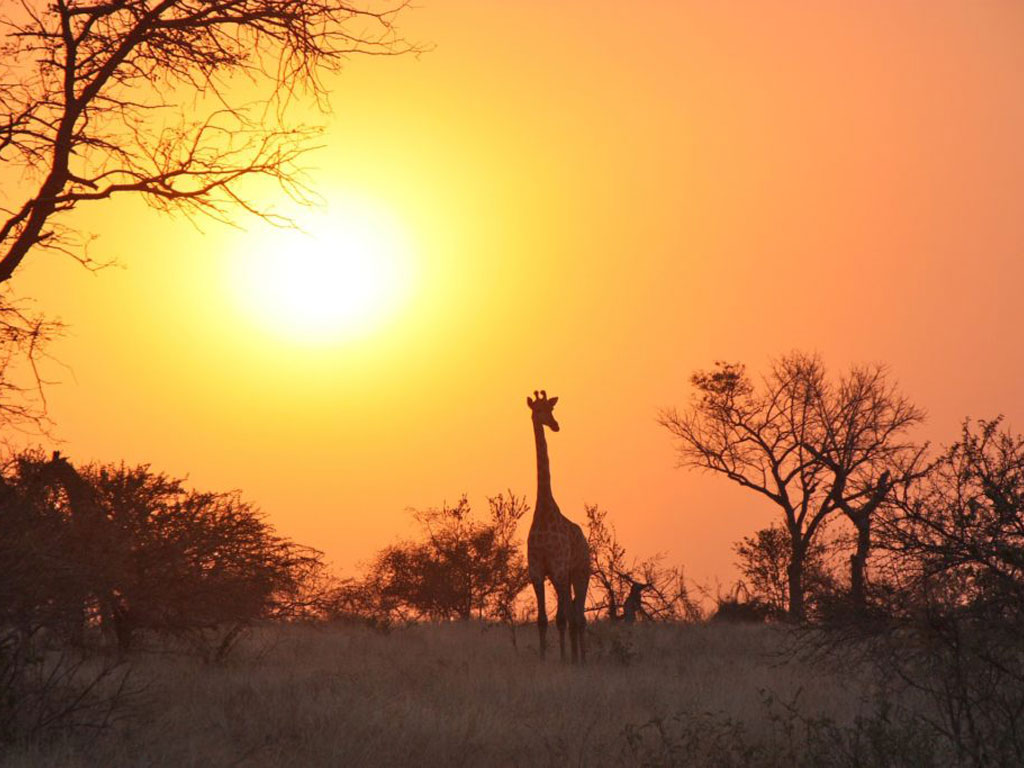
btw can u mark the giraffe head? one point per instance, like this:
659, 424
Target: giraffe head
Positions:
542, 407
58, 460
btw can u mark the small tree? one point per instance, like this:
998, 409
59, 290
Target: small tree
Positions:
764, 563
461, 568
198, 560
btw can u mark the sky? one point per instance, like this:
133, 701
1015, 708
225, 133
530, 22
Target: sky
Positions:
592, 198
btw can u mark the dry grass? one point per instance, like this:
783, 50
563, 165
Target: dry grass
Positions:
452, 695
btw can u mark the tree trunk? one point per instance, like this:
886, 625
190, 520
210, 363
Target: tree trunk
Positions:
795, 570
859, 563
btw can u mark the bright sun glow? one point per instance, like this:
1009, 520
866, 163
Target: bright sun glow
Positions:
339, 277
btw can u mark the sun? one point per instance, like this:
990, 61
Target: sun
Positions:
338, 276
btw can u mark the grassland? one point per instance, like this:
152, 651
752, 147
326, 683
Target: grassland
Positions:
463, 695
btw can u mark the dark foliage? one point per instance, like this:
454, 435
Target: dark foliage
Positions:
115, 550
955, 546
195, 559
948, 624
764, 561
461, 567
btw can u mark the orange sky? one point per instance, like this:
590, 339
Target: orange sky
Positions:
594, 198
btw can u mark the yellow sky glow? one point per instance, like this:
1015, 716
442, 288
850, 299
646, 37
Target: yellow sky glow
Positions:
587, 198
338, 276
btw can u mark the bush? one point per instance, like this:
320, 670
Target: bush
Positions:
117, 549
658, 592
42, 693
953, 630
764, 562
461, 567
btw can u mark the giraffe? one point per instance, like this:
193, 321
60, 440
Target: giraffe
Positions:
634, 603
556, 548
91, 531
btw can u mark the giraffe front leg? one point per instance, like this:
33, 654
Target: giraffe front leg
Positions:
542, 615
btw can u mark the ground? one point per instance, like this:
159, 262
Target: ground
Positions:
464, 695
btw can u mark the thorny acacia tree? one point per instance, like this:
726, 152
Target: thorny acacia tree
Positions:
810, 446
957, 537
164, 558
179, 101
954, 555
461, 567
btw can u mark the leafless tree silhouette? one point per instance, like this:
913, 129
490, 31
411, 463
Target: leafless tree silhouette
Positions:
810, 446
862, 423
629, 586
178, 101
24, 339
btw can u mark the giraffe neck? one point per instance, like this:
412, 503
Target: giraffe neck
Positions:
545, 501
80, 499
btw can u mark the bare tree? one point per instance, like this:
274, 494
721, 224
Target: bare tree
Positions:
24, 337
810, 446
625, 587
861, 432
757, 437
958, 536
178, 101
608, 563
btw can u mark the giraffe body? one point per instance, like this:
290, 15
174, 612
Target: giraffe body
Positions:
556, 548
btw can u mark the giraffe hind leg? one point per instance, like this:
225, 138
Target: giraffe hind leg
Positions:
578, 620
562, 617
542, 615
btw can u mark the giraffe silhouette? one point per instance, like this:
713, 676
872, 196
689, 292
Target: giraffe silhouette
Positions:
92, 539
556, 548
634, 603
